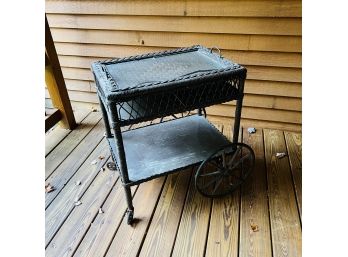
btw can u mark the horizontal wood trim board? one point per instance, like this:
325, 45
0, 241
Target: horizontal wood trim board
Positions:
256, 123
257, 113
269, 102
178, 39
281, 103
233, 25
243, 57
272, 59
256, 87
254, 72
217, 119
237, 8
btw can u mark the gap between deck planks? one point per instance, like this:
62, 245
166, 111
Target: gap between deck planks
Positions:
61, 176
174, 219
284, 216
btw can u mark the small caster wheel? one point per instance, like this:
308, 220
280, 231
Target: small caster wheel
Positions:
225, 170
111, 166
130, 219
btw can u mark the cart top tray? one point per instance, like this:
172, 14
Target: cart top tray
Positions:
169, 146
143, 73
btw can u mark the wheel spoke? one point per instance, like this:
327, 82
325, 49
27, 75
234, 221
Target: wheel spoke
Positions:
216, 165
224, 158
217, 184
211, 174
211, 182
241, 160
234, 156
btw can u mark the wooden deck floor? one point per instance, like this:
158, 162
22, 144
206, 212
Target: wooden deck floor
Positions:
173, 219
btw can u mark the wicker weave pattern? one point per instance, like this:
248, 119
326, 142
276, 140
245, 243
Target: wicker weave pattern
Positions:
150, 106
155, 85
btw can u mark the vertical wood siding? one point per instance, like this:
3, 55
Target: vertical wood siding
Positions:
263, 35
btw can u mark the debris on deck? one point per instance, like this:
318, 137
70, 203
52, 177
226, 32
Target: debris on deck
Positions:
254, 227
78, 203
100, 211
251, 130
94, 162
49, 188
78, 182
280, 155
101, 157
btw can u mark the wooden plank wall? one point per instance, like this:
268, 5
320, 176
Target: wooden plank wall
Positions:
263, 35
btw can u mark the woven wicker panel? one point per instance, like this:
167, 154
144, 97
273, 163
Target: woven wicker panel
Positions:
178, 100
158, 69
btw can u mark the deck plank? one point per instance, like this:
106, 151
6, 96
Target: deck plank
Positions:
74, 228
63, 203
128, 239
99, 236
294, 147
161, 235
193, 228
62, 151
254, 204
55, 135
73, 162
224, 220
284, 216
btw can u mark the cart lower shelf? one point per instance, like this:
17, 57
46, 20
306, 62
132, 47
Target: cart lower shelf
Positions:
166, 147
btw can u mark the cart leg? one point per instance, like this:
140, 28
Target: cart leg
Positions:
123, 164
237, 119
105, 119
130, 209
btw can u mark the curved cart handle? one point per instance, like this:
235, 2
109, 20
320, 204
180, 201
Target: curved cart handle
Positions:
215, 47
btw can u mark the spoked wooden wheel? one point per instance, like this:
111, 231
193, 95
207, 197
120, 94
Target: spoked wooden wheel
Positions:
225, 170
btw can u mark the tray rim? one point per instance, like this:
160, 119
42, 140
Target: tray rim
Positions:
101, 73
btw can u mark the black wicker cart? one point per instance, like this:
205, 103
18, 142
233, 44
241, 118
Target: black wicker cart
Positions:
172, 84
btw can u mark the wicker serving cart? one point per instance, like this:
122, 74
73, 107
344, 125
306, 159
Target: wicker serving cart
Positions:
172, 84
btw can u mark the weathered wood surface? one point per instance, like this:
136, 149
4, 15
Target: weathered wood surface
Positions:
101, 232
128, 239
193, 228
73, 230
294, 147
62, 151
55, 82
60, 204
254, 204
54, 136
254, 8
224, 219
63, 174
160, 238
173, 218
284, 216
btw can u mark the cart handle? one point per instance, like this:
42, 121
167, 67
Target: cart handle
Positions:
215, 47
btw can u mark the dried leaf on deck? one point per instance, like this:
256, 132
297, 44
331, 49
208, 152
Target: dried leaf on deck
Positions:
101, 157
78, 203
280, 155
254, 227
49, 188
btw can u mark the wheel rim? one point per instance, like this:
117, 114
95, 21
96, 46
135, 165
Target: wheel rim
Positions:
225, 170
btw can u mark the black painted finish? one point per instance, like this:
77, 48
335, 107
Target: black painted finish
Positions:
172, 145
